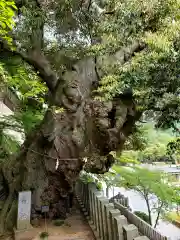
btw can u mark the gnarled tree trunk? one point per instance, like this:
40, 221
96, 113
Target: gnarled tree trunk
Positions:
52, 157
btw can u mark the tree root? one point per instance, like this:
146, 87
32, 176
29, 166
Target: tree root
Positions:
4, 213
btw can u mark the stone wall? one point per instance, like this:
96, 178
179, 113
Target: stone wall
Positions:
120, 198
112, 221
8, 97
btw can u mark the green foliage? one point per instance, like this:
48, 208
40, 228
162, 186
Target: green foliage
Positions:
157, 141
24, 120
29, 118
7, 8
9, 145
147, 144
145, 181
8, 142
148, 184
29, 91
173, 149
128, 157
93, 178
142, 215
99, 185
107, 178
86, 177
176, 197
73, 30
58, 222
138, 140
154, 73
173, 216
44, 235
22, 80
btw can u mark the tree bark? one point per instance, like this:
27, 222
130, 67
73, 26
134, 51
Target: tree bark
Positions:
52, 156
158, 214
149, 210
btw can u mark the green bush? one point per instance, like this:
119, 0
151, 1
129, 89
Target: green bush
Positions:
99, 185
143, 216
44, 235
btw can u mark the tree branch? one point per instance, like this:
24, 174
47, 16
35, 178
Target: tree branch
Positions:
38, 3
34, 55
124, 54
37, 36
97, 8
38, 61
158, 215
149, 209
121, 57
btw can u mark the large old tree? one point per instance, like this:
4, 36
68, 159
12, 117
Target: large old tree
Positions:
90, 55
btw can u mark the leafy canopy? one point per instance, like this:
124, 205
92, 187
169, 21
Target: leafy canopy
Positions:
147, 144
144, 181
30, 94
173, 149
65, 31
150, 185
153, 74
7, 8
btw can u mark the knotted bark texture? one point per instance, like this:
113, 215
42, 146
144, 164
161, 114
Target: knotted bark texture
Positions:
52, 157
